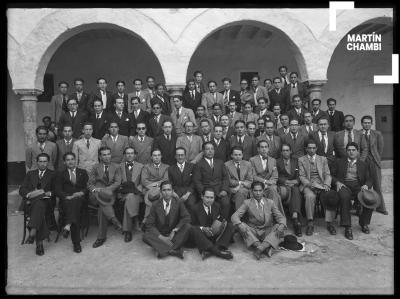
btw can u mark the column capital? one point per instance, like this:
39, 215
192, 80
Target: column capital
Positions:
175, 89
28, 94
316, 83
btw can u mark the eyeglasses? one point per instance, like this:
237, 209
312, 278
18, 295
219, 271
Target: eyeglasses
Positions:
141, 128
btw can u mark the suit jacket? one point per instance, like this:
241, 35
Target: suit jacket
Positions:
236, 116
34, 150
283, 175
216, 178
233, 96
97, 177
143, 117
293, 115
301, 91
200, 218
143, 148
167, 148
268, 115
193, 149
336, 121
182, 182
270, 173
339, 170
97, 96
58, 106
76, 122
166, 106
250, 117
124, 122
222, 151
100, 126
274, 145
117, 148
246, 96
280, 98
32, 182
86, 158
322, 168
178, 216
249, 146
258, 220
150, 176
115, 96
62, 148
261, 92
320, 149
374, 146
64, 186
303, 129
136, 174
155, 129
144, 97
340, 149
190, 103
281, 133
246, 173
298, 148
320, 114
207, 100
185, 115
83, 102
228, 133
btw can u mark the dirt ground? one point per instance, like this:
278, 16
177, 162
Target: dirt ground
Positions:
330, 264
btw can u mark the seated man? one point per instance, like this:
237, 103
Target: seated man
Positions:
315, 179
288, 185
71, 189
265, 225
153, 174
36, 191
104, 179
131, 191
240, 176
350, 175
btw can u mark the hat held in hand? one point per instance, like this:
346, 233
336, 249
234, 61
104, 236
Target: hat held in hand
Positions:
369, 198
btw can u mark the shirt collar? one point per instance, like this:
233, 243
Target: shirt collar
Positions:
165, 203
351, 162
66, 141
261, 201
179, 165
206, 208
367, 132
311, 158
99, 114
208, 160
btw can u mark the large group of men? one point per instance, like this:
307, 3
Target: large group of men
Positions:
205, 165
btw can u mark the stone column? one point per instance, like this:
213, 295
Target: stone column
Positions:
176, 89
314, 90
29, 109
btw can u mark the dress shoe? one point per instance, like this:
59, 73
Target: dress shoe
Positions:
30, 240
225, 254
98, 243
297, 228
77, 248
65, 233
268, 251
205, 254
128, 237
39, 249
177, 253
331, 229
365, 229
257, 254
348, 233
310, 229
384, 212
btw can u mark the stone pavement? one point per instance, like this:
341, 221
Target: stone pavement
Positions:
330, 264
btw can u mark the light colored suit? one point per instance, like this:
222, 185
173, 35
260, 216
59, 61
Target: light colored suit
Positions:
250, 117
246, 96
117, 148
193, 149
57, 106
185, 115
303, 129
260, 92
274, 145
86, 158
207, 100
144, 97
238, 195
143, 148
34, 150
236, 116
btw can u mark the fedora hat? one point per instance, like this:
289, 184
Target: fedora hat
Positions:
369, 198
330, 199
290, 242
153, 194
218, 227
105, 196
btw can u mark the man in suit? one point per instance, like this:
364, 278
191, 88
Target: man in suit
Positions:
317, 113
240, 176
258, 91
74, 117
283, 75
208, 99
166, 143
153, 174
86, 149
191, 98
295, 139
41, 146
350, 175
336, 117
101, 94
142, 95
324, 141
245, 94
264, 170
116, 142
64, 146
121, 94
104, 180
191, 143
246, 142
276, 110
284, 129
198, 78
227, 130
308, 127
278, 95
142, 144
163, 99
37, 192
265, 224
131, 191
121, 117
288, 186
221, 145
138, 115
81, 97
100, 120
349, 134
298, 110
180, 115
230, 95
59, 101
150, 89
216, 114
374, 140
71, 189
263, 111
232, 113
180, 175
211, 172
156, 121
315, 179
274, 142
295, 87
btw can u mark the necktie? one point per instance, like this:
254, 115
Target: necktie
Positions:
323, 142
264, 162
130, 165
40, 174
240, 141
192, 95
217, 142
72, 115
114, 139
156, 118
42, 147
350, 137
98, 116
78, 96
137, 93
181, 167
215, 95
73, 177
208, 211
119, 114
238, 170
206, 138
166, 208
177, 114
293, 85
309, 128
87, 143
141, 139
158, 170
294, 138
211, 163
106, 173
